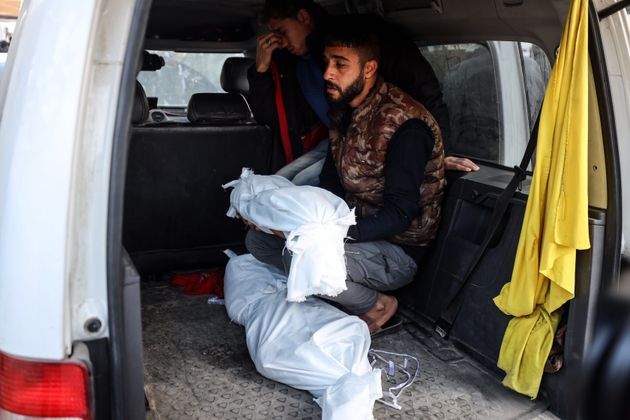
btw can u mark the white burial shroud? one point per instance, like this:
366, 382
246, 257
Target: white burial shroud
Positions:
310, 345
314, 221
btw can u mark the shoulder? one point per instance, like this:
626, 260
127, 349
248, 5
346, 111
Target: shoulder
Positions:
399, 97
396, 104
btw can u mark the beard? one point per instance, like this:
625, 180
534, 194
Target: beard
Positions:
345, 95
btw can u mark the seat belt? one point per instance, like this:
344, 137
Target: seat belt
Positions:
444, 324
282, 115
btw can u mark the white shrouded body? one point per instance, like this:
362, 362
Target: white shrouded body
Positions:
315, 223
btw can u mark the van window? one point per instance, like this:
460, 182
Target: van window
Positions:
537, 70
466, 74
484, 85
182, 75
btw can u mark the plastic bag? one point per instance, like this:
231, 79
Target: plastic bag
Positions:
315, 223
310, 345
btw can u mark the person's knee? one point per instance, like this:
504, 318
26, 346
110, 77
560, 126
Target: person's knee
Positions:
254, 242
379, 265
262, 244
265, 248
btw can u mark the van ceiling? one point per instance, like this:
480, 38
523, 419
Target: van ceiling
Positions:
235, 21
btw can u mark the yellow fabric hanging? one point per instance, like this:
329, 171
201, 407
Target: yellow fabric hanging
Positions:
556, 217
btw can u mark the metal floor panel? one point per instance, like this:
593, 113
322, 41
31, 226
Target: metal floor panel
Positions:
197, 367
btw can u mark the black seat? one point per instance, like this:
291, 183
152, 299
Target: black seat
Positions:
234, 75
140, 109
174, 204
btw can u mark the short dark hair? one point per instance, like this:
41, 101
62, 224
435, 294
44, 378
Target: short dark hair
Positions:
354, 31
281, 9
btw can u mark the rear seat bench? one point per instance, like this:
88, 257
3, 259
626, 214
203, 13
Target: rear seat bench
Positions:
174, 204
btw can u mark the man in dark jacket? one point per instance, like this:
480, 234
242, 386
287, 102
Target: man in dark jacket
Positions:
386, 159
295, 45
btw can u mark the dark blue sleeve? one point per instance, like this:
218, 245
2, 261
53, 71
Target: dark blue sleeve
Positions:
408, 152
329, 178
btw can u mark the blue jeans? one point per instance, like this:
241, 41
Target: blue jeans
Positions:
305, 170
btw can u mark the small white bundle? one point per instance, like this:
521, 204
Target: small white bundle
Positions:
314, 221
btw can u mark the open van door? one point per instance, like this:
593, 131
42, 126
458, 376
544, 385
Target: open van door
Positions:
65, 301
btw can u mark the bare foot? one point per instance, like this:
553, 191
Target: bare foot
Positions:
380, 313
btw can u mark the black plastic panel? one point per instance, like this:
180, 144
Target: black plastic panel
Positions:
174, 203
467, 211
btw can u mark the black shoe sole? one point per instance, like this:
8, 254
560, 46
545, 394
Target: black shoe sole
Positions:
393, 325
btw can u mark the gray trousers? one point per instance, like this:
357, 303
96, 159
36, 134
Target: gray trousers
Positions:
372, 266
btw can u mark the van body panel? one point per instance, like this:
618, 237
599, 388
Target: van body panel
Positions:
512, 101
615, 33
53, 288
597, 193
87, 246
48, 77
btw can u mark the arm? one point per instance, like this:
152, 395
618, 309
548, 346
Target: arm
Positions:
407, 155
329, 178
262, 97
261, 85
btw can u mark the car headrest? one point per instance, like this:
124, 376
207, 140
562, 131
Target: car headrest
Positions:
218, 108
140, 111
234, 75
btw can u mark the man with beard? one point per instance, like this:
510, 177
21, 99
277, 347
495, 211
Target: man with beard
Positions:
295, 44
386, 159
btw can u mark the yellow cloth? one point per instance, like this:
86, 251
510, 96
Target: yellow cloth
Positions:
556, 217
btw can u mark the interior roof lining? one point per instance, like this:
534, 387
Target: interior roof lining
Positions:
537, 21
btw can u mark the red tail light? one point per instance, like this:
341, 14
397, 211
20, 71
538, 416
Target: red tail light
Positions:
41, 389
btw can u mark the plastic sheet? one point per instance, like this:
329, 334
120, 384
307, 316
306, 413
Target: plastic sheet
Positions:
309, 345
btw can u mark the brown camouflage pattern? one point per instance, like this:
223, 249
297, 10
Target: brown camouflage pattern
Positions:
360, 158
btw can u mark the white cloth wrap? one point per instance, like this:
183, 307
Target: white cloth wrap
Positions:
310, 345
248, 185
314, 221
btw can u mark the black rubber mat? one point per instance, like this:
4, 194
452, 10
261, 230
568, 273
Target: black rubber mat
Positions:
197, 367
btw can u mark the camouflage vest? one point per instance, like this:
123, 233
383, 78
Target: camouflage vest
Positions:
360, 158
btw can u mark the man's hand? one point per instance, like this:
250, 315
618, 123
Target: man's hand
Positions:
266, 44
453, 163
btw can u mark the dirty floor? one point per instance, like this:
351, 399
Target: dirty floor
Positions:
197, 367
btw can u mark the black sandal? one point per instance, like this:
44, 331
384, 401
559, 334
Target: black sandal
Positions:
394, 324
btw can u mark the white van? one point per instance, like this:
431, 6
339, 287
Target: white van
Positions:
102, 199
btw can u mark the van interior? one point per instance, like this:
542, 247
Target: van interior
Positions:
493, 59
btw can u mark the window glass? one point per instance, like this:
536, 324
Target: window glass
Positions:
536, 68
7, 27
493, 92
183, 75
466, 74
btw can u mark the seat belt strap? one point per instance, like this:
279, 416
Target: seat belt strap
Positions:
282, 115
444, 324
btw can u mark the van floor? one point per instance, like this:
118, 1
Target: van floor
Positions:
197, 366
